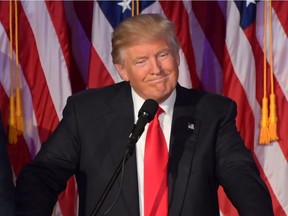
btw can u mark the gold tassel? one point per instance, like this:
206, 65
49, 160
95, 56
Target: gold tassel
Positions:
19, 113
12, 131
272, 112
264, 124
12, 135
15, 123
264, 137
273, 119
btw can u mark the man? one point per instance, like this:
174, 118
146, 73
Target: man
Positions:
205, 149
7, 196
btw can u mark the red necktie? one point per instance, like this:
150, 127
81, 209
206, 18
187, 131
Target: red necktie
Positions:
155, 170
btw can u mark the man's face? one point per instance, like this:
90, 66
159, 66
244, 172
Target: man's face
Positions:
151, 68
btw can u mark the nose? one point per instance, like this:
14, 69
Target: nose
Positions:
156, 67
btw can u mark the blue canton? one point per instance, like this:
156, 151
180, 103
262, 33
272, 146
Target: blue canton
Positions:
247, 13
116, 11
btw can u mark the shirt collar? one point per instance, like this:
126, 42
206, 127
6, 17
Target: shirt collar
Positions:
167, 105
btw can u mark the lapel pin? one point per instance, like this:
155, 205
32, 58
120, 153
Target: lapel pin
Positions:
190, 126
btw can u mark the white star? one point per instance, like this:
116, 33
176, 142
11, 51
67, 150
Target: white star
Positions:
125, 4
250, 1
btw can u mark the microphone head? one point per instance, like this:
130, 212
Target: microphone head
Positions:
148, 109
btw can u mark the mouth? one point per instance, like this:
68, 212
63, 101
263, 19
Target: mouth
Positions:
158, 79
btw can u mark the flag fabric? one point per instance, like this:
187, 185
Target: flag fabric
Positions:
65, 46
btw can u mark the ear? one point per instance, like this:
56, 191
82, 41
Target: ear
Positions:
122, 71
177, 57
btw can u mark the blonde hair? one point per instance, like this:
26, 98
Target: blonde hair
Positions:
142, 28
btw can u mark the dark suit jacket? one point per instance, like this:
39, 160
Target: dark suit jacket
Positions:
7, 193
205, 151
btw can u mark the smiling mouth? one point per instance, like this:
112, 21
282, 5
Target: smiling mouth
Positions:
158, 79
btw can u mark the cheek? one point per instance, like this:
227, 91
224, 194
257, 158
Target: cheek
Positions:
139, 74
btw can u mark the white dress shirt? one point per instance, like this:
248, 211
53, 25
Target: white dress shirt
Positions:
165, 123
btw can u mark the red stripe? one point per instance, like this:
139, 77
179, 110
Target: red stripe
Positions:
182, 31
282, 118
68, 199
98, 74
84, 11
4, 102
225, 204
233, 89
57, 15
281, 8
214, 33
259, 68
19, 154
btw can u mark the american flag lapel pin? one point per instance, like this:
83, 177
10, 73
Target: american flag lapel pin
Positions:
190, 126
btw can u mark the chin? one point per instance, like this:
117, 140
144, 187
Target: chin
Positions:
161, 98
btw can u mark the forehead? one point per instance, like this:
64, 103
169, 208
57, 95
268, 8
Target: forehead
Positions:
148, 47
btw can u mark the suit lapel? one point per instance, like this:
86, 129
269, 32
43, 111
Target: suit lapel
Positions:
183, 141
121, 121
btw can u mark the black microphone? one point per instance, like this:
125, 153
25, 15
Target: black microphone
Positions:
145, 115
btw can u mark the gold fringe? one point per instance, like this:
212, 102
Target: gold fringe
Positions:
12, 135
273, 119
264, 137
19, 113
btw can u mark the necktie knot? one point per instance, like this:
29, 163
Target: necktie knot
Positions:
158, 113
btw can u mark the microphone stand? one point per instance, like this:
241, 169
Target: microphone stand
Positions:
127, 154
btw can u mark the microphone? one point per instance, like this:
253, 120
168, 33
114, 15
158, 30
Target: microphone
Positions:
145, 115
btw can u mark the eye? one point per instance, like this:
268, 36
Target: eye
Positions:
163, 54
140, 62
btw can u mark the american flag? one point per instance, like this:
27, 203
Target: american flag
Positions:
64, 47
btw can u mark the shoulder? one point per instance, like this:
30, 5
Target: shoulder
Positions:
99, 95
96, 99
205, 101
186, 95
103, 92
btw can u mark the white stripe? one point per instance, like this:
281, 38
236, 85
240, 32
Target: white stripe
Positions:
50, 53
280, 47
101, 40
270, 157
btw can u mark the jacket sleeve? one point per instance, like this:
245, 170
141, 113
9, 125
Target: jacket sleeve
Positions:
41, 181
237, 171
